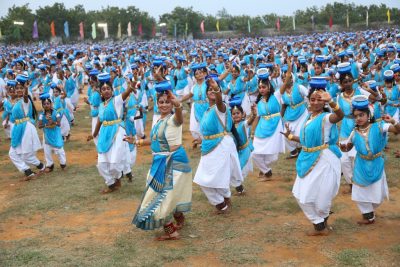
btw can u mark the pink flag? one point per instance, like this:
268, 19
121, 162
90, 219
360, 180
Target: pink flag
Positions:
81, 31
278, 24
330, 22
202, 26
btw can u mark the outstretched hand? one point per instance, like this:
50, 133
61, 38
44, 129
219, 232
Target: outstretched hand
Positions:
129, 139
288, 131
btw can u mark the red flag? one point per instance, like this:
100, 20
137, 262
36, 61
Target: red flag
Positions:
278, 24
153, 31
202, 26
140, 30
53, 29
81, 31
330, 22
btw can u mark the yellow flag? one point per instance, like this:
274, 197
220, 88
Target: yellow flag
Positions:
388, 15
217, 25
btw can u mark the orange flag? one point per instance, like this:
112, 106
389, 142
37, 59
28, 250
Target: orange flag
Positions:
53, 29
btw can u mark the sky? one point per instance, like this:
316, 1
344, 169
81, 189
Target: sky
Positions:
234, 7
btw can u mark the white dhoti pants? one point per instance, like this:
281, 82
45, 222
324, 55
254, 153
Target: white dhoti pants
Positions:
263, 161
22, 161
367, 207
316, 212
216, 195
110, 171
48, 150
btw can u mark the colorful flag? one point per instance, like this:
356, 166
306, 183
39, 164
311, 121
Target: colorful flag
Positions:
248, 26
330, 22
186, 28
94, 30
53, 29
312, 21
388, 15
81, 31
217, 25
153, 32
175, 31
202, 26
35, 32
129, 29
294, 23
278, 24
66, 29
119, 34
367, 18
106, 31
263, 20
140, 30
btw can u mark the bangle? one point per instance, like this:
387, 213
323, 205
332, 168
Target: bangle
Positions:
290, 136
180, 106
335, 108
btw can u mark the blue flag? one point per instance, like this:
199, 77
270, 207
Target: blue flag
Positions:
66, 29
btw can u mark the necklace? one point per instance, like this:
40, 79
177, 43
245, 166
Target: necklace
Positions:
364, 130
106, 102
313, 116
348, 95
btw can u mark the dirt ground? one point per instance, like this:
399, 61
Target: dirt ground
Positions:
50, 222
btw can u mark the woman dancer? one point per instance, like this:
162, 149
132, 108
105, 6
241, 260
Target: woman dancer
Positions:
168, 193
318, 171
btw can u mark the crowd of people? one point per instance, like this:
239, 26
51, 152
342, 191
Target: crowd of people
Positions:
329, 100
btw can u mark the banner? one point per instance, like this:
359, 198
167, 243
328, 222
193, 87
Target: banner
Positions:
153, 31
312, 22
129, 29
35, 32
119, 34
294, 23
217, 25
263, 20
175, 30
330, 22
81, 31
388, 15
278, 24
202, 26
140, 30
53, 29
66, 29
94, 30
106, 31
248, 26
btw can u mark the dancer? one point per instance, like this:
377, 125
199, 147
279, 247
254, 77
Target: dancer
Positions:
245, 146
268, 142
169, 182
24, 138
369, 138
111, 148
318, 164
49, 120
219, 165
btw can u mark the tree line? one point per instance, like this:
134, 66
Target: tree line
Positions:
180, 21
